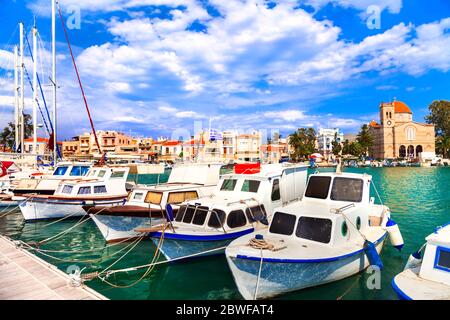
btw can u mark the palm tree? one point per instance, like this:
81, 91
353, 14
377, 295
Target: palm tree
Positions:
443, 145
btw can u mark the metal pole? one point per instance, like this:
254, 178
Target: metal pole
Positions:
16, 97
35, 90
55, 145
22, 91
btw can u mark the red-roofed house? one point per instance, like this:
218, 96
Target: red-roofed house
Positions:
41, 146
171, 150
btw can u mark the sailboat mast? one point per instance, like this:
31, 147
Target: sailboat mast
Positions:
16, 97
22, 91
35, 90
55, 145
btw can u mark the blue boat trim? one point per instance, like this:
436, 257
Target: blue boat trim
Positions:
308, 260
400, 293
176, 236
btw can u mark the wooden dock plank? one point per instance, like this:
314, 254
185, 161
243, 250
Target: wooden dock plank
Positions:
25, 276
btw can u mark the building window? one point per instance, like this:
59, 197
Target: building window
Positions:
419, 150
410, 134
411, 151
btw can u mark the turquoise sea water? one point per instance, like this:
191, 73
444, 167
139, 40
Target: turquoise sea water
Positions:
418, 197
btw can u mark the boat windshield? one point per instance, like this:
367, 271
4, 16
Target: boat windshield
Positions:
314, 229
282, 223
318, 187
228, 185
250, 186
346, 189
60, 171
79, 171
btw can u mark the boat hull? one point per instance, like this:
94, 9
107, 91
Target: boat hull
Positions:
40, 210
181, 247
117, 228
283, 276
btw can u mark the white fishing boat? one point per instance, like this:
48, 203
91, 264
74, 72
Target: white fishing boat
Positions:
243, 200
146, 204
327, 236
427, 273
42, 183
101, 186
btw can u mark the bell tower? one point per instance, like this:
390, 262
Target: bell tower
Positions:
387, 114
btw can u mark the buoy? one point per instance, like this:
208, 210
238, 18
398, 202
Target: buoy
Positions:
169, 212
372, 254
395, 235
414, 260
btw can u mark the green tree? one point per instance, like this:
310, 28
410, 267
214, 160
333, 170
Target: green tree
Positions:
443, 146
365, 139
336, 145
303, 143
7, 135
355, 149
440, 117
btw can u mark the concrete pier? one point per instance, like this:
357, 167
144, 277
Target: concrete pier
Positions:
24, 276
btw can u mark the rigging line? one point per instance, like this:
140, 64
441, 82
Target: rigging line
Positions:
40, 86
78, 76
38, 104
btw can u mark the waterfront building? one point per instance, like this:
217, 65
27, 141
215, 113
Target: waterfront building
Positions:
41, 146
248, 147
398, 136
275, 151
325, 138
171, 151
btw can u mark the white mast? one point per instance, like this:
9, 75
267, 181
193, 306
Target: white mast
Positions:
35, 95
22, 91
16, 96
55, 146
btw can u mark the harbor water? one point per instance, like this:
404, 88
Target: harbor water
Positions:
419, 199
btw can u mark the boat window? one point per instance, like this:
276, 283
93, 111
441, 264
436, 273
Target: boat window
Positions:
282, 223
92, 173
179, 197
276, 190
315, 229
101, 173
250, 186
84, 190
200, 216
153, 197
189, 214
443, 259
60, 171
180, 213
236, 219
255, 213
79, 171
84, 170
216, 219
117, 174
138, 196
346, 189
228, 185
318, 187
99, 189
67, 189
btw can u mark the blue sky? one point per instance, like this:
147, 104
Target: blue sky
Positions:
163, 67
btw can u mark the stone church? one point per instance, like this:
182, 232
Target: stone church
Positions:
398, 136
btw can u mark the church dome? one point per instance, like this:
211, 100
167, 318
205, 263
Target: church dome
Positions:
401, 107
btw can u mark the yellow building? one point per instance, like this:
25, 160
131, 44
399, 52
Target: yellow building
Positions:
398, 136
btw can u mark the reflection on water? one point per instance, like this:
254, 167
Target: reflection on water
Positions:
418, 197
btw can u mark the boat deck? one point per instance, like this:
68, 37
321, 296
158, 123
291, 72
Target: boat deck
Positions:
23, 276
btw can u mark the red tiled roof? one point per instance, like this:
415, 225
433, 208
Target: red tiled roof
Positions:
171, 143
401, 107
39, 140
